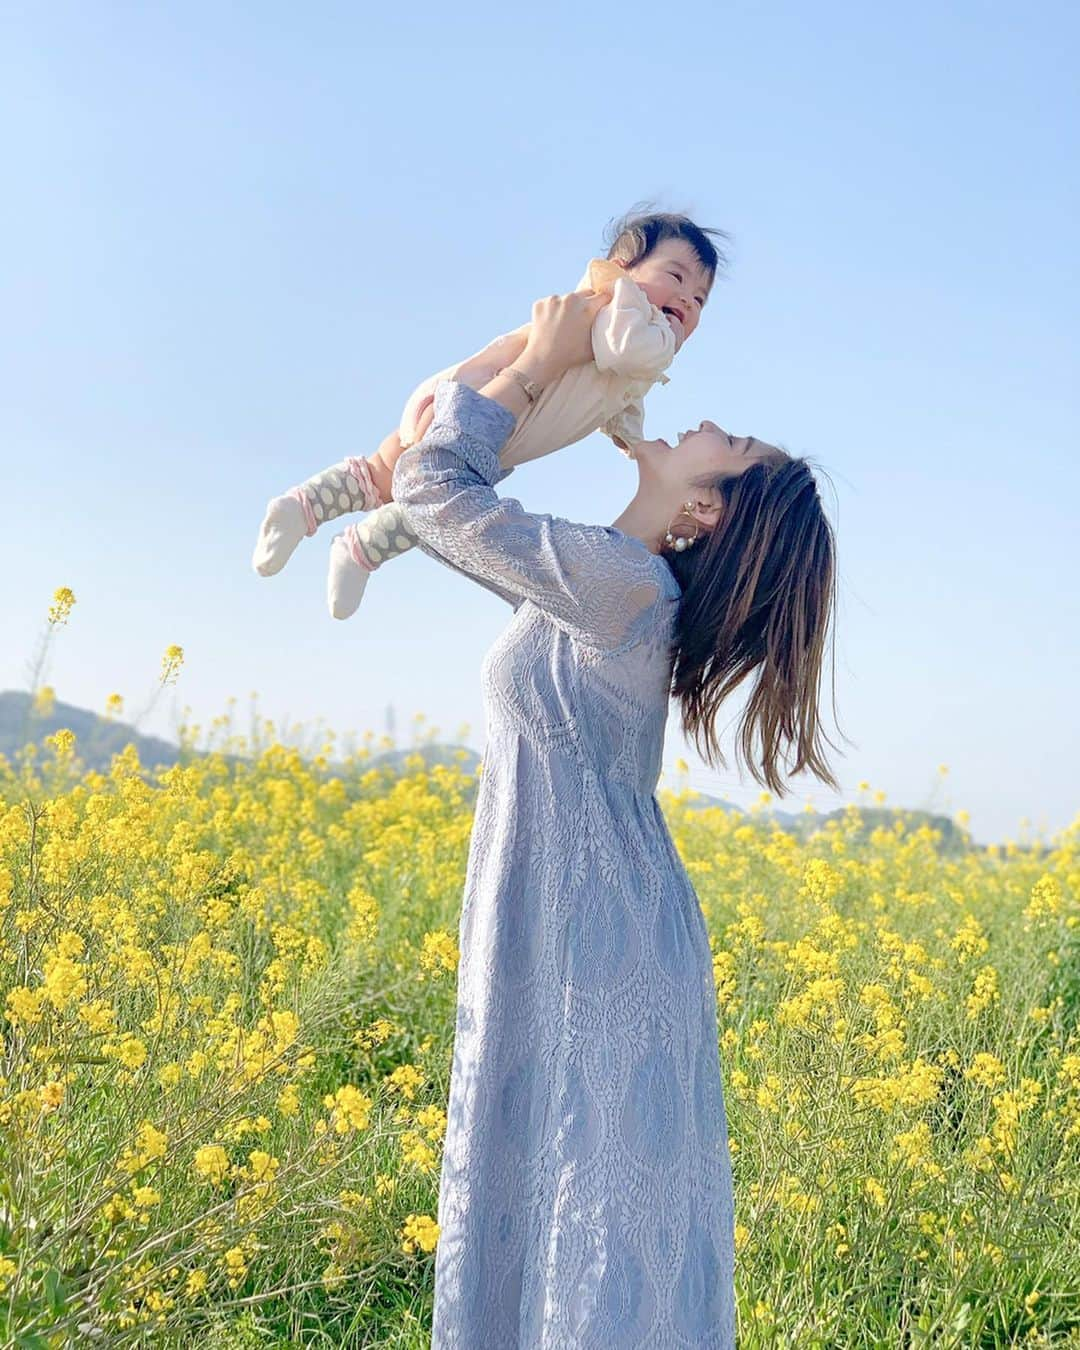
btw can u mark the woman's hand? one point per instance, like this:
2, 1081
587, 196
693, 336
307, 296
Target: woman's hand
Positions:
560, 335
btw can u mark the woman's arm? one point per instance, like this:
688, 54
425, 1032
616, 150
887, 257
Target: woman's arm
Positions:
593, 581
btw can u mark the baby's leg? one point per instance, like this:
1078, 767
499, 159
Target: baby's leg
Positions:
359, 549
318, 497
349, 485
390, 451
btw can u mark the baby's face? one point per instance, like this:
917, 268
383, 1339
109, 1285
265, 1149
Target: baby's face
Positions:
675, 281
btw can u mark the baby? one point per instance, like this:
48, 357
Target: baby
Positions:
658, 271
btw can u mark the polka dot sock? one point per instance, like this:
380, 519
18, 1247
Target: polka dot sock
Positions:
345, 486
358, 550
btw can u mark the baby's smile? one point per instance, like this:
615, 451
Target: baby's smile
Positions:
676, 322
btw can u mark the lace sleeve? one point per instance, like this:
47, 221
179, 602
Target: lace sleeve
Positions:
594, 581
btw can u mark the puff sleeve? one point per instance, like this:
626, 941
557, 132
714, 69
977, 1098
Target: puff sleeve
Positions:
627, 427
631, 336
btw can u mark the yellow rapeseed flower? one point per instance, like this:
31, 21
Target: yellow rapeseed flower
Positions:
417, 1152
131, 1052
349, 1109
875, 1191
1046, 900
211, 1163
24, 1005
419, 1231
235, 1260
171, 662
288, 1102
52, 1094
44, 701
986, 1070
62, 742
985, 992
62, 602
438, 953
406, 1079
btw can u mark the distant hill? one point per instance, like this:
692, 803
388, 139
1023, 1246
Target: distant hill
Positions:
99, 738
432, 754
803, 823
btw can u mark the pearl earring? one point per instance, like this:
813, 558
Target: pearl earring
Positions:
682, 541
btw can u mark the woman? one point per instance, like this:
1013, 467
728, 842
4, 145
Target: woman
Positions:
586, 1193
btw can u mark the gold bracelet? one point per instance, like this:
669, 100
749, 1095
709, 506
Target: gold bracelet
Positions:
532, 389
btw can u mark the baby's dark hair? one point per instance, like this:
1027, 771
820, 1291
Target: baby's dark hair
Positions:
633, 237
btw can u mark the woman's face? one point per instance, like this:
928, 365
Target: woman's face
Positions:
704, 451
671, 475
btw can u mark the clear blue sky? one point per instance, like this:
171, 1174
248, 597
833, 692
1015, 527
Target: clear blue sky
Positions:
235, 237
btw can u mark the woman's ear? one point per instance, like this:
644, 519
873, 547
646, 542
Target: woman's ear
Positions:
709, 513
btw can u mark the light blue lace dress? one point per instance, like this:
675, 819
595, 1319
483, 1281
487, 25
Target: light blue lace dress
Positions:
585, 1198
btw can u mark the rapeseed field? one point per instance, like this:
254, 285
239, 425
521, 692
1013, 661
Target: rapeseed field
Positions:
227, 999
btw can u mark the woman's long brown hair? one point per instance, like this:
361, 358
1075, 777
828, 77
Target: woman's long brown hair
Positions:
759, 591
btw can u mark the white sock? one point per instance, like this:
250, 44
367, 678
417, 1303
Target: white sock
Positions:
282, 529
345, 486
345, 580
